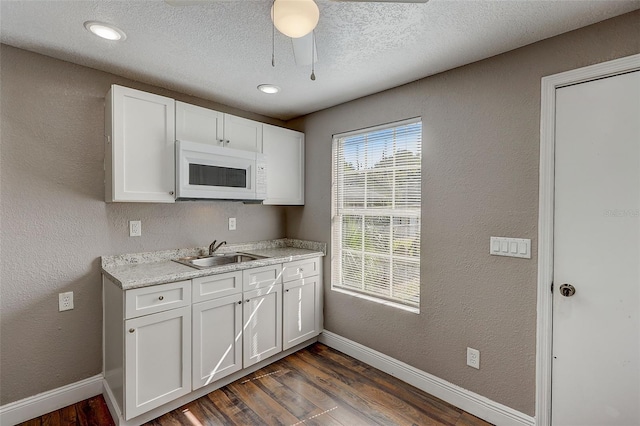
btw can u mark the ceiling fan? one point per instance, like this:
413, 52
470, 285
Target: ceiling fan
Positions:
296, 19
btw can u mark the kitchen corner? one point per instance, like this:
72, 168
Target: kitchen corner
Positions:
203, 327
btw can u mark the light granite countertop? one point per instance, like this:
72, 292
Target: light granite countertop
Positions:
145, 269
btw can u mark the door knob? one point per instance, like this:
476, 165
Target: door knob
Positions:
567, 290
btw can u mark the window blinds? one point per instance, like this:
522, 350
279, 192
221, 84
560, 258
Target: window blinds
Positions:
376, 212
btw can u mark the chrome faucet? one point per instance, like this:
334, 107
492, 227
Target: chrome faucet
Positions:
213, 247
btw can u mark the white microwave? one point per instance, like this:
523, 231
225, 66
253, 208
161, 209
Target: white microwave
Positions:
211, 172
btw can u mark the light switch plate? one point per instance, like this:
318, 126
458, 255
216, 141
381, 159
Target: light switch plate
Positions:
232, 224
511, 247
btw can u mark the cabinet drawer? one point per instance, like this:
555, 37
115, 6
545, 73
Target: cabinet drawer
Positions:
157, 298
265, 276
207, 288
300, 269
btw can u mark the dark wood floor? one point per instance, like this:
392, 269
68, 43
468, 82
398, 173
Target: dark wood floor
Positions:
315, 386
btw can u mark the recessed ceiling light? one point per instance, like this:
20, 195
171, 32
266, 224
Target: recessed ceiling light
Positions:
105, 31
268, 88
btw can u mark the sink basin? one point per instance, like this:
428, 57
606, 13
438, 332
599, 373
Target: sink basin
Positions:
203, 262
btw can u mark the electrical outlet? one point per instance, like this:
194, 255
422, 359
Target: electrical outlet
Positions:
232, 224
65, 301
473, 358
135, 228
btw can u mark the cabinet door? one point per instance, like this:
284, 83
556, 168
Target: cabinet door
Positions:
217, 347
300, 311
142, 146
284, 150
262, 277
262, 316
157, 360
240, 133
197, 124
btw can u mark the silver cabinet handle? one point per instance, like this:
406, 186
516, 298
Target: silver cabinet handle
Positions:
170, 192
131, 330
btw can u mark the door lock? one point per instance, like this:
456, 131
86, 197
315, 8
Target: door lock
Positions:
567, 290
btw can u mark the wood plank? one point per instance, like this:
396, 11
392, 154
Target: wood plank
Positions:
271, 412
383, 400
33, 422
293, 402
320, 398
232, 408
68, 416
344, 364
52, 419
346, 393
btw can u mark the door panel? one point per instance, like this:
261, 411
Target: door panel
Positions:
262, 329
157, 359
596, 333
300, 311
217, 344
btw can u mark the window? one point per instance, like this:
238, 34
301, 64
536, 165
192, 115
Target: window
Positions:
375, 221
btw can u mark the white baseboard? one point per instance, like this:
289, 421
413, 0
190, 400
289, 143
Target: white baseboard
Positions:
46, 402
470, 402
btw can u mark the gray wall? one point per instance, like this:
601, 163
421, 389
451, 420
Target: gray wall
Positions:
55, 223
480, 178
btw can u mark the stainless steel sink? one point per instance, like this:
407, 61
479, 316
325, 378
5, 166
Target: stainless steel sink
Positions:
218, 259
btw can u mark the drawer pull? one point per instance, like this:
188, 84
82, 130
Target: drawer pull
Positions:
286, 291
161, 297
240, 302
131, 330
247, 300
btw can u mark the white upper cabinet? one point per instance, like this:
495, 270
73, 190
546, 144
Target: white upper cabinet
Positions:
240, 133
139, 146
284, 150
197, 124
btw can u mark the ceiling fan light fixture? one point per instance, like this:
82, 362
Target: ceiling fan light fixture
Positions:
106, 31
295, 18
268, 88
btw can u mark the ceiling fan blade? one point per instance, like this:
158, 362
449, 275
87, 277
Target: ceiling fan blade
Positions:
384, 1
178, 3
302, 47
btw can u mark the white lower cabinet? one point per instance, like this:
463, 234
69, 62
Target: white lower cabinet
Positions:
217, 343
164, 341
300, 311
262, 334
157, 359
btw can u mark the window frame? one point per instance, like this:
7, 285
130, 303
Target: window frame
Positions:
337, 247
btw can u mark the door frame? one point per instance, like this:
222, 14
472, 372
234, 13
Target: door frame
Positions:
544, 329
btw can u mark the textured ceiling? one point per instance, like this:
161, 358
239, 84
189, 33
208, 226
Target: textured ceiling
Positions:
221, 50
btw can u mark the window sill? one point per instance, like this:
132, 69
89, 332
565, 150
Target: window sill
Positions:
411, 309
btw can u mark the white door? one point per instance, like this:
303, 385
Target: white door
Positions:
284, 149
300, 311
596, 333
143, 146
157, 360
241, 133
262, 329
197, 124
217, 339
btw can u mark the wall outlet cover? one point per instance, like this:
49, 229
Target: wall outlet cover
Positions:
65, 301
232, 224
135, 228
473, 358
